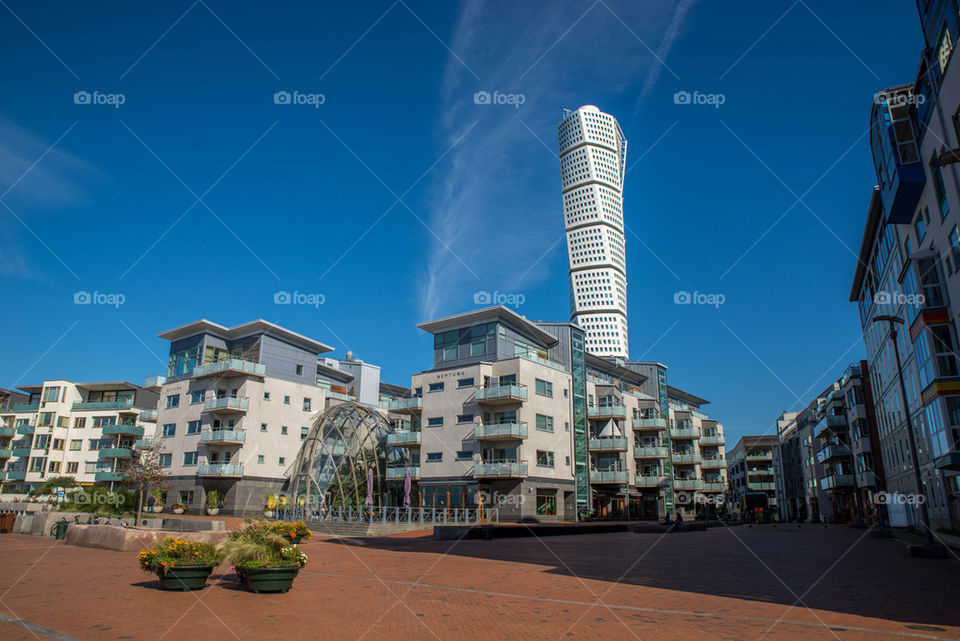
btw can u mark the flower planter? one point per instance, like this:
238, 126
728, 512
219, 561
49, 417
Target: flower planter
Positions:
268, 514
269, 579
185, 577
293, 539
157, 509
213, 511
178, 510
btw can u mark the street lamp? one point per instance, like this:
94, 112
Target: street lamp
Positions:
892, 322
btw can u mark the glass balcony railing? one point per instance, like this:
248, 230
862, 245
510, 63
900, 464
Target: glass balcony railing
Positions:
26, 407
500, 431
650, 451
608, 444
398, 473
220, 469
5, 452
337, 396
608, 476
650, 480
685, 458
123, 428
832, 451
230, 367
714, 486
227, 403
148, 415
510, 393
104, 405
711, 440
405, 438
714, 463
223, 436
107, 476
502, 469
607, 411
21, 452
7, 431
650, 423
114, 452
16, 475
26, 429
684, 432
688, 484
836, 481
412, 404
761, 486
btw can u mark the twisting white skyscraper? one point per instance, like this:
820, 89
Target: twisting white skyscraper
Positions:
592, 156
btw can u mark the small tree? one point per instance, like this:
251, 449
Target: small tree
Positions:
54, 483
144, 471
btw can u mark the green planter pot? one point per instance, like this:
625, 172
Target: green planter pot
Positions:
185, 577
269, 579
293, 539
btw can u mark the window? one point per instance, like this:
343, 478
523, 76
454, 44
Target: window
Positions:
195, 397
166, 460
58, 443
544, 423
266, 396
546, 502
260, 459
80, 422
45, 419
465, 455
464, 418
41, 441
299, 370
169, 430
283, 429
185, 497
38, 464
434, 457
286, 400
306, 405
263, 427
189, 458
94, 444
544, 458
51, 394
54, 467
282, 460
73, 467
304, 431
938, 187
920, 224
193, 427
90, 467
62, 421
435, 421
464, 382
435, 387
76, 444
544, 388
102, 421
944, 49
173, 400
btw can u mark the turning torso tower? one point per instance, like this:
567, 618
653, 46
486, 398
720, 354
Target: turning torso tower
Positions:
592, 156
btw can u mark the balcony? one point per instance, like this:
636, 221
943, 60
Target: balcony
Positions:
223, 437
650, 451
409, 438
501, 394
836, 481
650, 423
867, 478
230, 367
399, 473
337, 396
22, 452
16, 475
761, 487
500, 431
103, 405
406, 405
715, 463
148, 416
833, 451
684, 432
650, 481
760, 471
5, 452
7, 431
687, 484
607, 411
896, 159
114, 452
226, 404
142, 443
503, 469
830, 423
26, 429
949, 461
25, 407
123, 428
608, 444
609, 476
221, 470
711, 441
686, 459
714, 486
101, 477
155, 380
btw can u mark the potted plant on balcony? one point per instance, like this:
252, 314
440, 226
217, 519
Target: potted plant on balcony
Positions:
293, 532
270, 506
213, 502
178, 508
180, 564
266, 561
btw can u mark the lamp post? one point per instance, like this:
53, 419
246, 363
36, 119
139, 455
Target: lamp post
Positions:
892, 322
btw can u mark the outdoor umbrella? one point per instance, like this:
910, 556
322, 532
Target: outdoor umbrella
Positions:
406, 488
369, 500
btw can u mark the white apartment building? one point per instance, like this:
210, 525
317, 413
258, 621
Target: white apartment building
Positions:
65, 428
592, 164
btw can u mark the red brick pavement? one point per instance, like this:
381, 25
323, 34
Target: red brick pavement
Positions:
721, 584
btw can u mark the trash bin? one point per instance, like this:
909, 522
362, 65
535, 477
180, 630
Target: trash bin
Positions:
59, 529
6, 522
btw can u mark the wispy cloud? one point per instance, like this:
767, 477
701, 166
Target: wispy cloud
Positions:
496, 204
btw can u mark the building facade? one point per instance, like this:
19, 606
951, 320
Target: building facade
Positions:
908, 267
65, 428
592, 163
750, 472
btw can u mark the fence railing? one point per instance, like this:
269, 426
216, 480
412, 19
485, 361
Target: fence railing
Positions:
392, 514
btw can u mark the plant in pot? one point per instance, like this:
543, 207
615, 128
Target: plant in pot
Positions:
178, 508
266, 561
157, 495
293, 532
270, 506
213, 502
180, 564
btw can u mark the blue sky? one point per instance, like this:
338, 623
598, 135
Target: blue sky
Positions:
398, 198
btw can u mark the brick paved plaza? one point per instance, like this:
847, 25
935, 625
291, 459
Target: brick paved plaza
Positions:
738, 583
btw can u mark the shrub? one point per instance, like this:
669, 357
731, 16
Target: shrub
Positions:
172, 552
291, 530
256, 546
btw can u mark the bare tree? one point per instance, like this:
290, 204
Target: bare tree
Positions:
145, 472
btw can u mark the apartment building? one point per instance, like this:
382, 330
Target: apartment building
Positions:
909, 268
750, 471
65, 428
518, 413
236, 403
